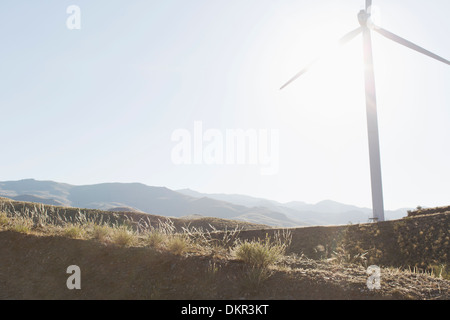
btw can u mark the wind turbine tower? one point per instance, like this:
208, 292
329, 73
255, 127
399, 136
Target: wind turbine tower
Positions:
366, 27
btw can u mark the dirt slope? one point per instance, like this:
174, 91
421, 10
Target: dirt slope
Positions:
323, 263
417, 241
34, 267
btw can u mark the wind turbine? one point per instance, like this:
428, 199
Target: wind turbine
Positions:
366, 26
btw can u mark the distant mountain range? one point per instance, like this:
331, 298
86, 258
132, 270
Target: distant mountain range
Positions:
165, 202
326, 212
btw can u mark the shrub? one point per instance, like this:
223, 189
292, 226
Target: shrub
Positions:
178, 244
155, 238
101, 233
124, 237
22, 225
74, 231
4, 220
260, 254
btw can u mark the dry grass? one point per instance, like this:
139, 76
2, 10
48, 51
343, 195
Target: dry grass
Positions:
154, 238
21, 224
259, 254
254, 278
101, 233
263, 253
123, 236
178, 244
264, 259
4, 220
74, 231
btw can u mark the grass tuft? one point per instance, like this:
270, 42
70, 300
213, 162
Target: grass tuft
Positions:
261, 253
4, 220
124, 237
178, 244
74, 231
22, 225
155, 238
101, 233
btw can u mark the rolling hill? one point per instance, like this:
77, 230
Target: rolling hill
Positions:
165, 202
153, 200
326, 212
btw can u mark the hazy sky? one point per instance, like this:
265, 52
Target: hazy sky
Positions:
101, 104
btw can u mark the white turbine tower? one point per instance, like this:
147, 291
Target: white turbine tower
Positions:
366, 26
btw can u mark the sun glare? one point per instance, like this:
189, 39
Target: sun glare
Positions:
324, 109
333, 85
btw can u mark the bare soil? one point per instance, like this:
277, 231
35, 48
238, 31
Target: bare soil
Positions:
34, 267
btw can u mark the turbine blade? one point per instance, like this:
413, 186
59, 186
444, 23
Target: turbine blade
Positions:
349, 36
368, 4
304, 70
409, 44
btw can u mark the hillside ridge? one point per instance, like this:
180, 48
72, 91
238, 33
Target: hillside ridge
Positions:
153, 200
323, 262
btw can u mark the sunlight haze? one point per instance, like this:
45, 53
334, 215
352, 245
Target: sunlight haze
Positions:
101, 104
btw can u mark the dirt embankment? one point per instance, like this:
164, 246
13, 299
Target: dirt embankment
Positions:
34, 267
418, 241
327, 263
421, 211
